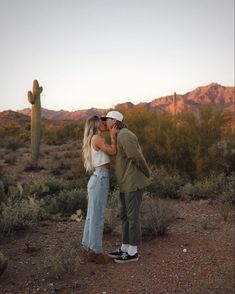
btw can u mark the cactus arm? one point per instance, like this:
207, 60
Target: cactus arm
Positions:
31, 97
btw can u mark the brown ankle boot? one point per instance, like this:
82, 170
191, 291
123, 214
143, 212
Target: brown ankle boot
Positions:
90, 256
97, 258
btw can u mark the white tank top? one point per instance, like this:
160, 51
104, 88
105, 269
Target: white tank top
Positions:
99, 157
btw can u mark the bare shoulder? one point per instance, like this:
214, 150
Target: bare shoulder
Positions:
97, 140
96, 137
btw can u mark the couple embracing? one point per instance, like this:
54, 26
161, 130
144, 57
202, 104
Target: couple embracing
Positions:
132, 174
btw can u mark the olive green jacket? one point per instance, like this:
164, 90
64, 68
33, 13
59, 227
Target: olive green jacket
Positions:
132, 171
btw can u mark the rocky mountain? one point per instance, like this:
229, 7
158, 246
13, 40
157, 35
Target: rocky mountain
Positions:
218, 96
65, 115
9, 116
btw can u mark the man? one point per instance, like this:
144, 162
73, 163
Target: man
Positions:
132, 175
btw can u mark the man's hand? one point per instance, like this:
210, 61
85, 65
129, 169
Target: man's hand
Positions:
113, 132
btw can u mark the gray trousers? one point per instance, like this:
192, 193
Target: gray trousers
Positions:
130, 208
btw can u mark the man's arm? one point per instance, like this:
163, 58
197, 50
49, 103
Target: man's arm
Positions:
132, 150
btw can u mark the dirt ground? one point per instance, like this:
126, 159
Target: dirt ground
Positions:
196, 256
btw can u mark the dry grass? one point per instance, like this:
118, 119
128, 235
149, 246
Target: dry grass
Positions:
63, 260
156, 216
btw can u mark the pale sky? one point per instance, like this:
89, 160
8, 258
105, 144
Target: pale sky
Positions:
97, 53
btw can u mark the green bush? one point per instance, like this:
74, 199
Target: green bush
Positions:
156, 216
32, 166
10, 159
44, 186
213, 187
165, 184
19, 215
67, 201
13, 143
7, 181
2, 191
194, 144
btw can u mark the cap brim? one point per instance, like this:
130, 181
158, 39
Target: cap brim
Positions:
103, 118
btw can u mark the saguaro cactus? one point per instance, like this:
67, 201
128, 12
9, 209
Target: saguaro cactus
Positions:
34, 99
174, 104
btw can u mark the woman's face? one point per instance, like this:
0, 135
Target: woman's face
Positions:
110, 123
103, 126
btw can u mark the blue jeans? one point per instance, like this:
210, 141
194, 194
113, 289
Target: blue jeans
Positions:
98, 188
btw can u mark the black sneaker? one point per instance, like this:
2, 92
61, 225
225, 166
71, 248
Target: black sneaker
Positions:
127, 258
116, 254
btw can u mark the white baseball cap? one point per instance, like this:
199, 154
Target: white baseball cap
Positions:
114, 115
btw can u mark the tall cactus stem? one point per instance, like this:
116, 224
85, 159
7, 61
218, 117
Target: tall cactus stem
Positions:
174, 104
34, 99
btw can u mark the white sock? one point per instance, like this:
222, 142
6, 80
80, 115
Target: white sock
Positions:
132, 250
125, 247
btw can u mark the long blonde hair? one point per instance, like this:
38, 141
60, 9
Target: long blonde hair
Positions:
91, 128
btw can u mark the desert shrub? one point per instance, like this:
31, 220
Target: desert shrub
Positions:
58, 134
71, 185
64, 260
19, 215
213, 187
78, 173
70, 154
224, 209
156, 216
189, 143
32, 166
15, 193
7, 181
56, 156
227, 194
10, 159
60, 168
112, 212
165, 184
67, 201
13, 143
44, 186
2, 191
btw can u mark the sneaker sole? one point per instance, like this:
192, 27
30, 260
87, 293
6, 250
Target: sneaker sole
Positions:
113, 256
126, 261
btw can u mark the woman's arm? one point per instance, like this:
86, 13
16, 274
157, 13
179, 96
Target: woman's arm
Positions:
99, 143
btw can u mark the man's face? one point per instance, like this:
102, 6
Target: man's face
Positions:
110, 123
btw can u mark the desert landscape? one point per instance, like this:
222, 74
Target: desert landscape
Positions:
187, 213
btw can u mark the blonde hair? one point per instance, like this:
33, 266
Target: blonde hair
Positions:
91, 128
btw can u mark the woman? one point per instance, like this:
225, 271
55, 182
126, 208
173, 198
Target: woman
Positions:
96, 153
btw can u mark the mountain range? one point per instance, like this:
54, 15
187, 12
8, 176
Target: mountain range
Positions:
220, 97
